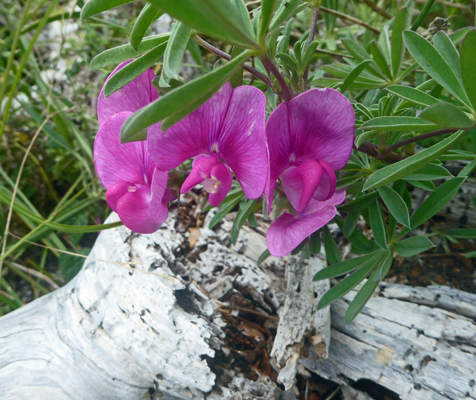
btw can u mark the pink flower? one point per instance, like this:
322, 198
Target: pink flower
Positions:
136, 190
289, 230
226, 133
309, 138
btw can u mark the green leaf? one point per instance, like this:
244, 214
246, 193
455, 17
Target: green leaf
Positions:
365, 136
330, 246
377, 225
175, 49
398, 49
346, 285
286, 9
125, 52
414, 95
379, 59
246, 208
447, 115
224, 210
382, 271
447, 49
232, 195
222, 20
414, 245
460, 34
403, 124
148, 15
350, 223
264, 255
471, 254
425, 185
180, 102
362, 297
468, 63
359, 203
435, 202
132, 70
399, 170
395, 204
430, 172
267, 8
353, 75
358, 239
315, 243
463, 233
466, 171
434, 64
93, 7
345, 267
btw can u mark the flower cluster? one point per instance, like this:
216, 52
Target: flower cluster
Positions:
303, 143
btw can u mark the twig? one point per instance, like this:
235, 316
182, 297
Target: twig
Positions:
287, 92
350, 19
37, 274
378, 9
197, 39
413, 139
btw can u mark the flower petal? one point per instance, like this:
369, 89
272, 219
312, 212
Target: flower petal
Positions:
134, 211
328, 183
158, 204
318, 124
300, 183
242, 141
116, 191
191, 136
115, 163
288, 231
201, 169
222, 184
136, 94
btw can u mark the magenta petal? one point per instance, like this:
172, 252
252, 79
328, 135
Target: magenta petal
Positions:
115, 163
195, 134
222, 178
136, 94
242, 141
201, 169
318, 124
158, 207
288, 231
328, 183
116, 191
300, 183
134, 211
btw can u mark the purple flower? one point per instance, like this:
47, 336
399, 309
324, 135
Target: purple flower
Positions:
136, 190
309, 138
227, 132
289, 230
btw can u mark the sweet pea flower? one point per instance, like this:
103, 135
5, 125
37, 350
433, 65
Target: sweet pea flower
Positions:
226, 133
136, 190
309, 138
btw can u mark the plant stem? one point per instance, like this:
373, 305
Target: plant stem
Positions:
422, 15
287, 93
372, 150
197, 39
397, 145
312, 31
350, 19
378, 9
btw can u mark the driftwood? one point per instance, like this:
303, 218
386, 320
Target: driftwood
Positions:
148, 315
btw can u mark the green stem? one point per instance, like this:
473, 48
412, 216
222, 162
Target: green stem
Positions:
422, 15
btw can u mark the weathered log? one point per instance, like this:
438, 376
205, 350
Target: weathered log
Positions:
147, 315
419, 343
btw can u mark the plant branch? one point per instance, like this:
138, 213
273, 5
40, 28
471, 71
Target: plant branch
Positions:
287, 92
378, 9
413, 139
197, 39
372, 150
350, 19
